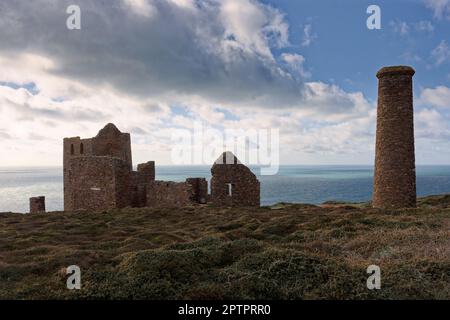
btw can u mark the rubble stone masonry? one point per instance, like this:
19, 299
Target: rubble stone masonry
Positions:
199, 189
37, 205
395, 175
233, 184
98, 175
168, 194
109, 143
96, 183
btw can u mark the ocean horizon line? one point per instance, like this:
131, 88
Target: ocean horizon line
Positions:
250, 165
312, 184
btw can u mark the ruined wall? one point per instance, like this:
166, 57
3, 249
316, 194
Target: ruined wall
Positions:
37, 205
109, 142
146, 171
233, 184
97, 183
168, 194
73, 147
199, 189
98, 176
140, 182
137, 191
395, 176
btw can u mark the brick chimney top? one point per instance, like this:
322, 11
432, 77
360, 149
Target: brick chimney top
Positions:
395, 70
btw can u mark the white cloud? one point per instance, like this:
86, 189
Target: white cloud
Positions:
411, 57
213, 59
441, 8
431, 124
436, 97
190, 4
404, 28
425, 26
295, 63
308, 36
332, 104
252, 26
226, 46
83, 110
221, 51
141, 7
400, 27
441, 54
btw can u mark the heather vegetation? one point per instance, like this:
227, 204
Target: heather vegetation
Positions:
287, 251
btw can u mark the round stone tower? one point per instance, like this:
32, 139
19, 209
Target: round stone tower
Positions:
395, 171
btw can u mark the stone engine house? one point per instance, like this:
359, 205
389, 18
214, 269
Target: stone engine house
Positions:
98, 175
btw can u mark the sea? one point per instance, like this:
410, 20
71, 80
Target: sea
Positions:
297, 184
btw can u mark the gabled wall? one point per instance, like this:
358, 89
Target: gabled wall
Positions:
228, 174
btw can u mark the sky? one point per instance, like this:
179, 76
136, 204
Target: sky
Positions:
306, 68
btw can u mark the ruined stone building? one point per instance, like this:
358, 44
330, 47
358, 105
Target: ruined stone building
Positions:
37, 204
232, 183
395, 171
98, 175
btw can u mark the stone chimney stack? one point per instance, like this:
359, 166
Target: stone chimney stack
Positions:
37, 205
395, 171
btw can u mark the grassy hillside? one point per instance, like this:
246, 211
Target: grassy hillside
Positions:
282, 252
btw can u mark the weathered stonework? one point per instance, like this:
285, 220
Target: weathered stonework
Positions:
395, 175
37, 205
139, 184
199, 189
98, 175
168, 194
96, 183
98, 172
146, 171
233, 184
85, 155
